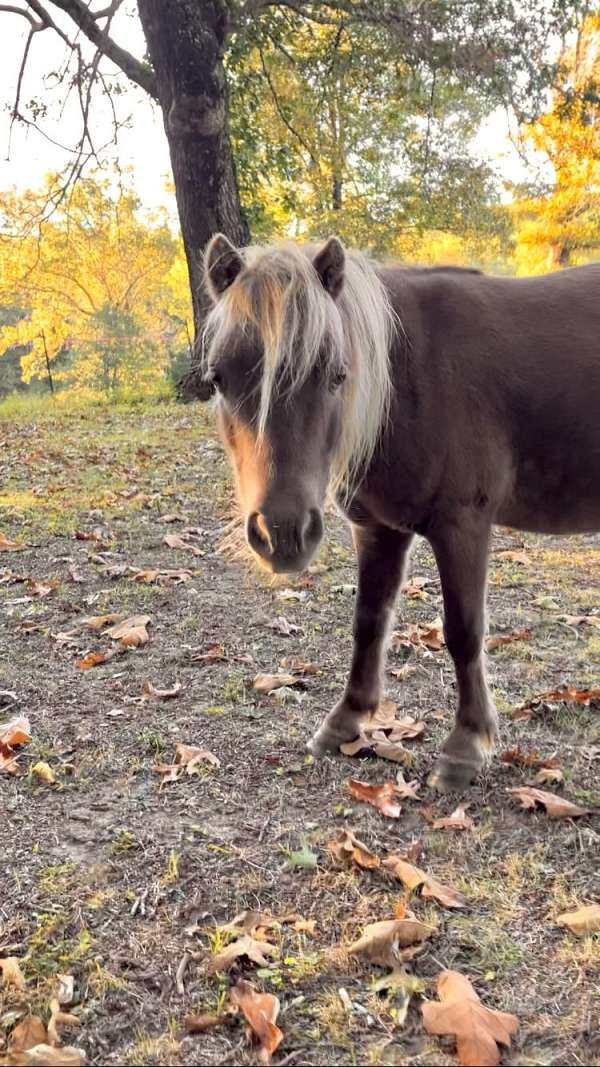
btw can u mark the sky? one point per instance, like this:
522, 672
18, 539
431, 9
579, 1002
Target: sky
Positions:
27, 155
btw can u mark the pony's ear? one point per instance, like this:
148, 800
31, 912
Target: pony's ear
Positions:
330, 264
222, 264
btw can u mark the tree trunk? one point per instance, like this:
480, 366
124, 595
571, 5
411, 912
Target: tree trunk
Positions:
336, 190
186, 41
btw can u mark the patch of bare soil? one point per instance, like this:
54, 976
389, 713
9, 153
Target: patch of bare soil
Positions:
123, 874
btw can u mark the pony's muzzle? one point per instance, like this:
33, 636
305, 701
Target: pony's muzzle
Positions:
285, 543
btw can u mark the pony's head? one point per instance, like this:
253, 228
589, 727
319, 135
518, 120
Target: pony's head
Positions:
297, 346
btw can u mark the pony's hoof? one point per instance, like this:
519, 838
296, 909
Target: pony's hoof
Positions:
325, 740
452, 774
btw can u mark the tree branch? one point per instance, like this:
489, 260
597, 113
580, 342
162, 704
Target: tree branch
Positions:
14, 10
86, 21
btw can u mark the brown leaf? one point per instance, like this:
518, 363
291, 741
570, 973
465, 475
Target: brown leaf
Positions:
88, 535
187, 760
424, 635
46, 1056
169, 518
512, 557
580, 620
585, 920
44, 771
42, 588
347, 848
199, 1024
414, 878
14, 733
27, 1034
266, 683
213, 654
402, 673
98, 622
93, 659
8, 764
381, 796
520, 757
8, 546
11, 972
556, 807
504, 639
458, 820
478, 1030
381, 942
131, 632
299, 666
415, 587
163, 577
150, 692
58, 1018
567, 695
406, 790
247, 947
547, 775
261, 1011
175, 541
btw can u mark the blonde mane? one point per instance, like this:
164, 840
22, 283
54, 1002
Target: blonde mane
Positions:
281, 295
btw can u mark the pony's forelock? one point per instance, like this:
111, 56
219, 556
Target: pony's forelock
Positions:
280, 294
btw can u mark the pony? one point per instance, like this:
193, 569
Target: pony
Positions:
436, 402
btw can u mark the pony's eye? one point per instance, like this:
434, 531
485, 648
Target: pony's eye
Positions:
337, 379
217, 379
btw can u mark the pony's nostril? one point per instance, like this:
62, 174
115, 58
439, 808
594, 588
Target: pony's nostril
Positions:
258, 535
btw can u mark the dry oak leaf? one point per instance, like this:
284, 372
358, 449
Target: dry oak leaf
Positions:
58, 1017
261, 1011
199, 1024
98, 622
497, 640
299, 666
585, 920
382, 942
520, 757
511, 556
457, 820
93, 659
44, 771
8, 546
426, 635
547, 775
414, 878
212, 654
187, 760
478, 1030
267, 683
131, 632
27, 1034
150, 692
381, 796
11, 972
246, 946
46, 1056
42, 588
556, 807
347, 848
13, 734
580, 620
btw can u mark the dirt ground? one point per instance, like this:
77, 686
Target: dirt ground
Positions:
124, 884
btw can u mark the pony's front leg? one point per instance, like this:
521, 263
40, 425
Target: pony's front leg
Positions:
461, 551
382, 556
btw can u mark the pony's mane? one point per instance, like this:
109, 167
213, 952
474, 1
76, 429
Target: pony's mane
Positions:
280, 294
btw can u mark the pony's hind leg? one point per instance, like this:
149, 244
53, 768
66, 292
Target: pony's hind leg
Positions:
461, 551
382, 555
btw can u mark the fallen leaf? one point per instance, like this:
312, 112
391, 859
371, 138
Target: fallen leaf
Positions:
88, 535
98, 622
248, 922
581, 620
415, 588
585, 920
299, 666
478, 1030
512, 557
556, 807
58, 1018
247, 947
199, 1024
13, 734
11, 972
43, 770
497, 640
93, 659
304, 858
187, 760
131, 632
175, 541
382, 942
261, 1011
8, 546
66, 988
547, 775
169, 518
406, 790
458, 820
266, 683
42, 588
27, 1034
567, 695
414, 878
402, 673
150, 692
379, 796
520, 757
346, 848
424, 635
213, 654
46, 1056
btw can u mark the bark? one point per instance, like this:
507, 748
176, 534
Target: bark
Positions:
186, 41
